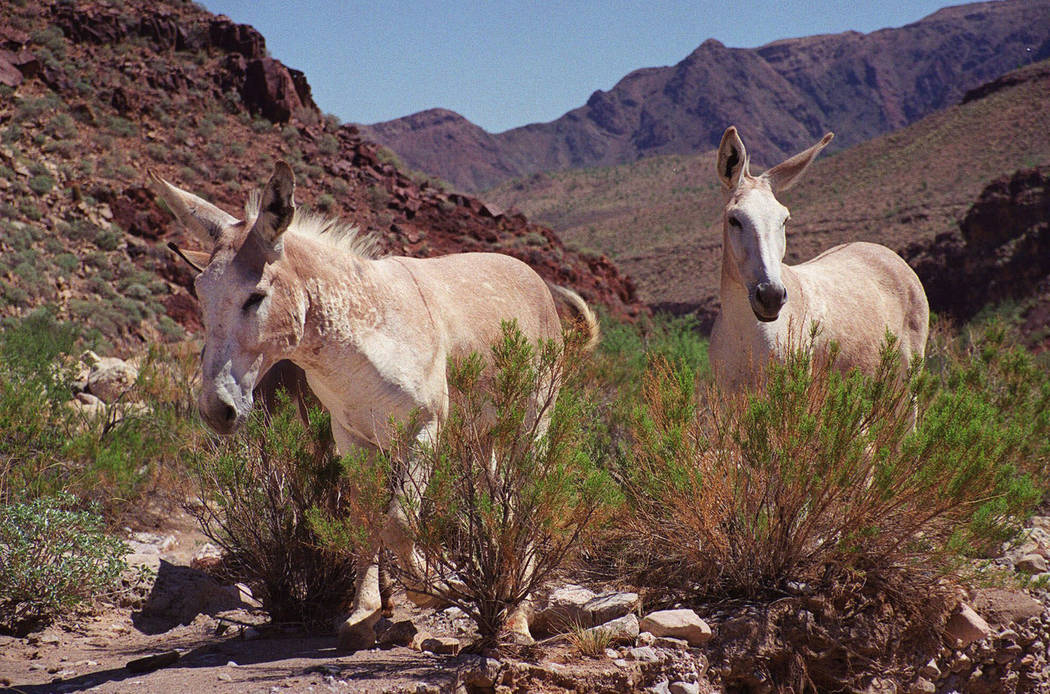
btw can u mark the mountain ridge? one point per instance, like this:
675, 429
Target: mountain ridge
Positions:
860, 85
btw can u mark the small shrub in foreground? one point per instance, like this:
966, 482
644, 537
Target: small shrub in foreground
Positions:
502, 502
52, 558
258, 488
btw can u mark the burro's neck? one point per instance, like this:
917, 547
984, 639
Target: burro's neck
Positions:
338, 298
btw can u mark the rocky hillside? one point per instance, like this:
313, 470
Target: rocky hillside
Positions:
999, 252
93, 94
659, 218
786, 94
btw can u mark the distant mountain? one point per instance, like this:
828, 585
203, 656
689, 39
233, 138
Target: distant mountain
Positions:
660, 218
786, 94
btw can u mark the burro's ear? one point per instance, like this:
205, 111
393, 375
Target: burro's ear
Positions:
198, 260
732, 159
276, 209
786, 173
200, 217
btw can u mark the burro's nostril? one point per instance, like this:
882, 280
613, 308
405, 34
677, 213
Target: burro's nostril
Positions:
228, 414
770, 295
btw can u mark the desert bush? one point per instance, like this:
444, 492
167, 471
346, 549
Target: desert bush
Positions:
503, 501
52, 558
258, 488
41, 185
822, 472
47, 447
30, 210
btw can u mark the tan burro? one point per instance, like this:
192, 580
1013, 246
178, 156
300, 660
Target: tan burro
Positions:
373, 335
854, 292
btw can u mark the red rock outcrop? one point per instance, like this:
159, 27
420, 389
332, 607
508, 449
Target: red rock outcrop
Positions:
1000, 251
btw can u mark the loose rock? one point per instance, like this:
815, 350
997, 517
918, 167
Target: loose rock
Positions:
682, 624
966, 626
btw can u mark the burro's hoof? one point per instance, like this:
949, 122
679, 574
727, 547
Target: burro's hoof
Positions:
516, 631
358, 632
424, 600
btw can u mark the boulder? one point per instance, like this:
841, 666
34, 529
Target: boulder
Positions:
573, 605
563, 609
681, 624
609, 606
1031, 563
440, 645
390, 634
684, 688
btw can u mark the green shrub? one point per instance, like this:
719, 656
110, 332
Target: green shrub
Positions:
41, 185
259, 487
52, 558
30, 210
46, 446
67, 262
109, 239
328, 144
121, 127
504, 502
822, 472
325, 202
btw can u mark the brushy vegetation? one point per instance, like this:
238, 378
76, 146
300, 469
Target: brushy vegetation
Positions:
47, 446
823, 471
510, 491
258, 488
53, 557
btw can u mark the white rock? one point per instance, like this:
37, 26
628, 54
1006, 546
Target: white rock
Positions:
966, 626
1032, 563
109, 378
930, 670
622, 630
563, 610
672, 643
679, 624
609, 606
684, 688
923, 686
206, 556
643, 654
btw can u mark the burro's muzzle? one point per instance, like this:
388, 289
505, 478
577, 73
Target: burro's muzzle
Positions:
223, 404
767, 298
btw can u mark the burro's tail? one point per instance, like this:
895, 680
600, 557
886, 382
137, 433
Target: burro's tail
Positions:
582, 312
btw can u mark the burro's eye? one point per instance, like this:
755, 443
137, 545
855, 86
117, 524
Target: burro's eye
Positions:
735, 223
253, 300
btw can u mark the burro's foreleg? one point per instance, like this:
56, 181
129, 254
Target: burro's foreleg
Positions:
358, 630
421, 586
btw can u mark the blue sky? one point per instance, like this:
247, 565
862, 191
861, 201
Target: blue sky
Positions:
505, 63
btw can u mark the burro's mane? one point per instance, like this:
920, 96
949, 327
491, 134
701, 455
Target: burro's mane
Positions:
330, 230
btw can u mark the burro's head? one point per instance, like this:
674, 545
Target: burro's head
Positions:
753, 222
253, 310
